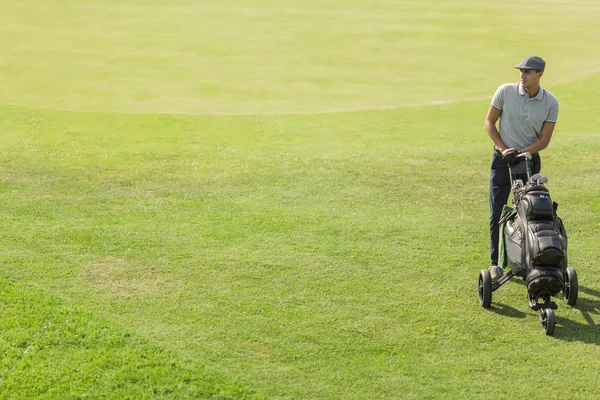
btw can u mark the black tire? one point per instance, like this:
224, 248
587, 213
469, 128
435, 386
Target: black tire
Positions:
485, 288
548, 320
571, 287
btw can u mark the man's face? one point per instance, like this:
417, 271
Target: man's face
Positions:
530, 78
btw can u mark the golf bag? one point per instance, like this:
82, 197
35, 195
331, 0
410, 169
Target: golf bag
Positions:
535, 240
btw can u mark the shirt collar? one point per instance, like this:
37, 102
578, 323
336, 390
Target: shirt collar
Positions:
538, 96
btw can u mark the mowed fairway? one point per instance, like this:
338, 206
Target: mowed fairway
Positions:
282, 200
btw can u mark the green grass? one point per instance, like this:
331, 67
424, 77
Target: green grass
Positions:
287, 255
55, 349
293, 56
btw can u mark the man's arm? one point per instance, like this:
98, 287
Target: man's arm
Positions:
543, 141
490, 127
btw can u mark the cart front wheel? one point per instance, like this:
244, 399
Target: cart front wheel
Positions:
548, 320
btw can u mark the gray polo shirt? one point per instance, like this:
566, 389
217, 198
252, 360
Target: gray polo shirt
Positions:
522, 117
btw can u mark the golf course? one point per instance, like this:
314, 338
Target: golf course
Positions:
261, 199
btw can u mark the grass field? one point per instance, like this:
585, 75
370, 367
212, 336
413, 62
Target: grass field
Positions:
282, 200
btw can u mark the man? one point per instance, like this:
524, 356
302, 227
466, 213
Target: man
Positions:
527, 114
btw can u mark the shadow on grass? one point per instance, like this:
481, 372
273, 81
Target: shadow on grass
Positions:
566, 329
578, 332
508, 311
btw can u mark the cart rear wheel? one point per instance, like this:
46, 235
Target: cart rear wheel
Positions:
485, 288
571, 287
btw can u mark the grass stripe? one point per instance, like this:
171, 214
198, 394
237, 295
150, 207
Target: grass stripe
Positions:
53, 348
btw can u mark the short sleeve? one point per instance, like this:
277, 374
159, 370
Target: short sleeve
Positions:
498, 99
553, 112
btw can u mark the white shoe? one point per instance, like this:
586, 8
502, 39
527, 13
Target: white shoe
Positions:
496, 272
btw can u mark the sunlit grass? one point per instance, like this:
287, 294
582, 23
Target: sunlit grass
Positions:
280, 255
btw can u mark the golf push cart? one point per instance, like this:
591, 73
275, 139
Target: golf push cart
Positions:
533, 246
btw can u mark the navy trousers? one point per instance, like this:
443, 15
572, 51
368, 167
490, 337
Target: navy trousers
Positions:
499, 192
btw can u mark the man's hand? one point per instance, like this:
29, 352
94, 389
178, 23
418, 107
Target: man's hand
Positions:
509, 155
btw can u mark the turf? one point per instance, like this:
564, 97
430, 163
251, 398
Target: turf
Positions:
294, 56
55, 349
301, 254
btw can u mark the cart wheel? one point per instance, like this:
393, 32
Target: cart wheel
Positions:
571, 288
485, 288
548, 320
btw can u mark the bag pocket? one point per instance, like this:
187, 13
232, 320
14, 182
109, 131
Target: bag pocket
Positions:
537, 207
545, 245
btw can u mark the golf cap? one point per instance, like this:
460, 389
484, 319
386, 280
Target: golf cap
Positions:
532, 62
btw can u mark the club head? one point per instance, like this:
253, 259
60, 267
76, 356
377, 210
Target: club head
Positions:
526, 155
534, 178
